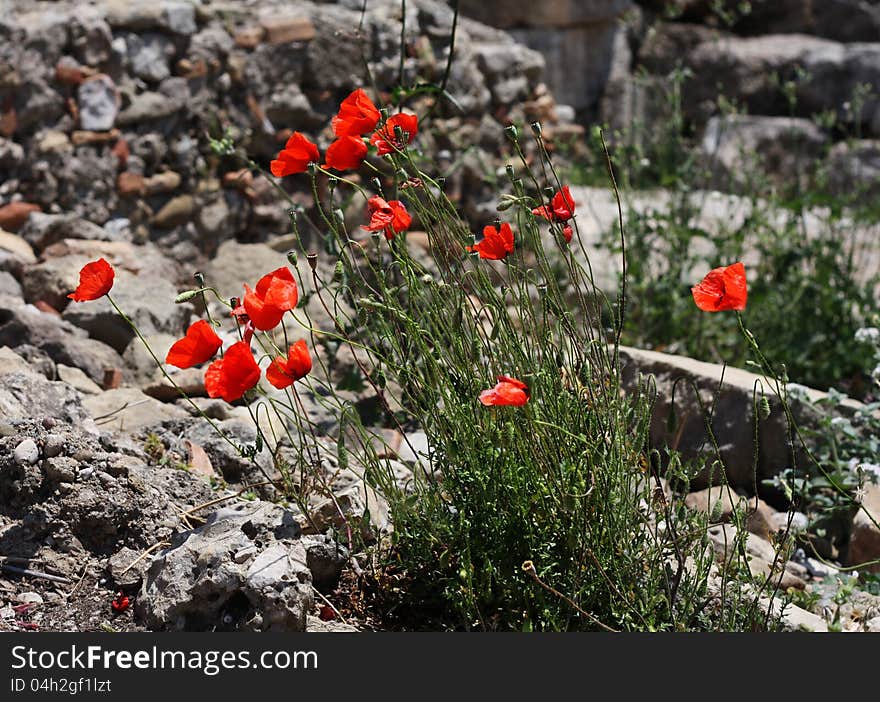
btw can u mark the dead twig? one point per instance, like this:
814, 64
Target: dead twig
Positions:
137, 560
33, 573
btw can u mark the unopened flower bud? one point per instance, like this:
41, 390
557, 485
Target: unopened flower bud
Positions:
764, 408
377, 184
510, 172
505, 204
292, 258
338, 272
186, 296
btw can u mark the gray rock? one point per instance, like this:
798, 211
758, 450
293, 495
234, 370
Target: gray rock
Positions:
179, 17
130, 410
732, 423
149, 55
148, 107
53, 445
42, 230
61, 469
864, 545
783, 147
98, 103
854, 168
11, 154
91, 37
24, 394
9, 285
560, 13
325, 558
171, 15
87, 183
318, 624
198, 585
126, 570
22, 325
26, 453
152, 313
289, 105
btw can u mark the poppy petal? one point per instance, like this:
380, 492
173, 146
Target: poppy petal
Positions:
233, 375
357, 115
346, 153
722, 289
95, 281
295, 157
199, 345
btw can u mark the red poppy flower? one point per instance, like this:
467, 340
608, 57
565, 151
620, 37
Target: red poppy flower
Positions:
233, 375
357, 115
346, 153
496, 243
722, 289
389, 217
276, 293
385, 139
95, 281
121, 602
508, 391
561, 208
295, 157
285, 371
199, 345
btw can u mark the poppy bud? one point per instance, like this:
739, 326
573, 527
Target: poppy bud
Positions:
536, 128
717, 510
377, 184
291, 258
312, 258
185, 296
339, 215
511, 132
338, 272
764, 408
505, 204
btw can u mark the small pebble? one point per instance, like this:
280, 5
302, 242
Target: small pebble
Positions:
53, 445
30, 598
86, 473
26, 453
49, 422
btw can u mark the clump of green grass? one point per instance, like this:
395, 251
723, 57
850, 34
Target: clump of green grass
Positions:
547, 516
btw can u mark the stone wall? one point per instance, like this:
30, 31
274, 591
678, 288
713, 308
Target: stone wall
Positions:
576, 37
106, 108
